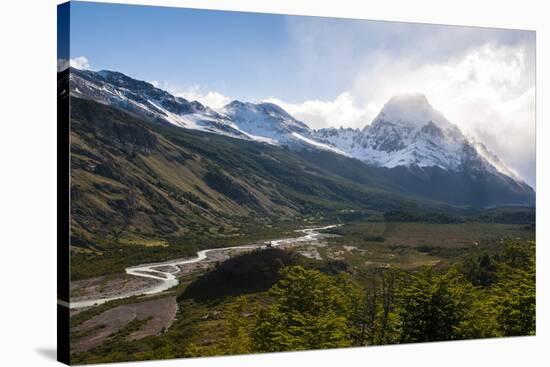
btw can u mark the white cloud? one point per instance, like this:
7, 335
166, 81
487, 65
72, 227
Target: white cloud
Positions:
80, 62
342, 111
196, 93
488, 91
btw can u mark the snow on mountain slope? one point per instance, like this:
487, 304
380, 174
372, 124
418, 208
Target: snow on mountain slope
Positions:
495, 161
319, 145
265, 119
142, 98
264, 122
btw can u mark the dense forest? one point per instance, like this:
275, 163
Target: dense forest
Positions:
483, 296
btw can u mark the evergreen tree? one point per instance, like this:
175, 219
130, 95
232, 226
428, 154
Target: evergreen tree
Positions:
237, 340
311, 311
515, 292
433, 306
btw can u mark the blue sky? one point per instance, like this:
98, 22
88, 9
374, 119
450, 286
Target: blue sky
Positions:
324, 71
242, 54
249, 55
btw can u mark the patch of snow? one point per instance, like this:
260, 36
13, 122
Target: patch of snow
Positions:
320, 145
495, 162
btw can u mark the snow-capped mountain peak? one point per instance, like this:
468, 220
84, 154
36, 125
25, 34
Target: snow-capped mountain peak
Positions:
411, 110
408, 131
266, 118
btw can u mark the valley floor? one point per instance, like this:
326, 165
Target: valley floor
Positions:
183, 321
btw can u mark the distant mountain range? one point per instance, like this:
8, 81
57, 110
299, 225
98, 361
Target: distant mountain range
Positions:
410, 148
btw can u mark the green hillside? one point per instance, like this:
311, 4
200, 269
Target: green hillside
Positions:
139, 183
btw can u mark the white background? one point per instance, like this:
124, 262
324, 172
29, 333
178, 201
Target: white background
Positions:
28, 182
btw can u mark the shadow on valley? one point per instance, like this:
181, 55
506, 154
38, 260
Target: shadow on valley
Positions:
254, 272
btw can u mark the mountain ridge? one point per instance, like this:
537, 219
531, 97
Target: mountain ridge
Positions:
148, 179
408, 131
